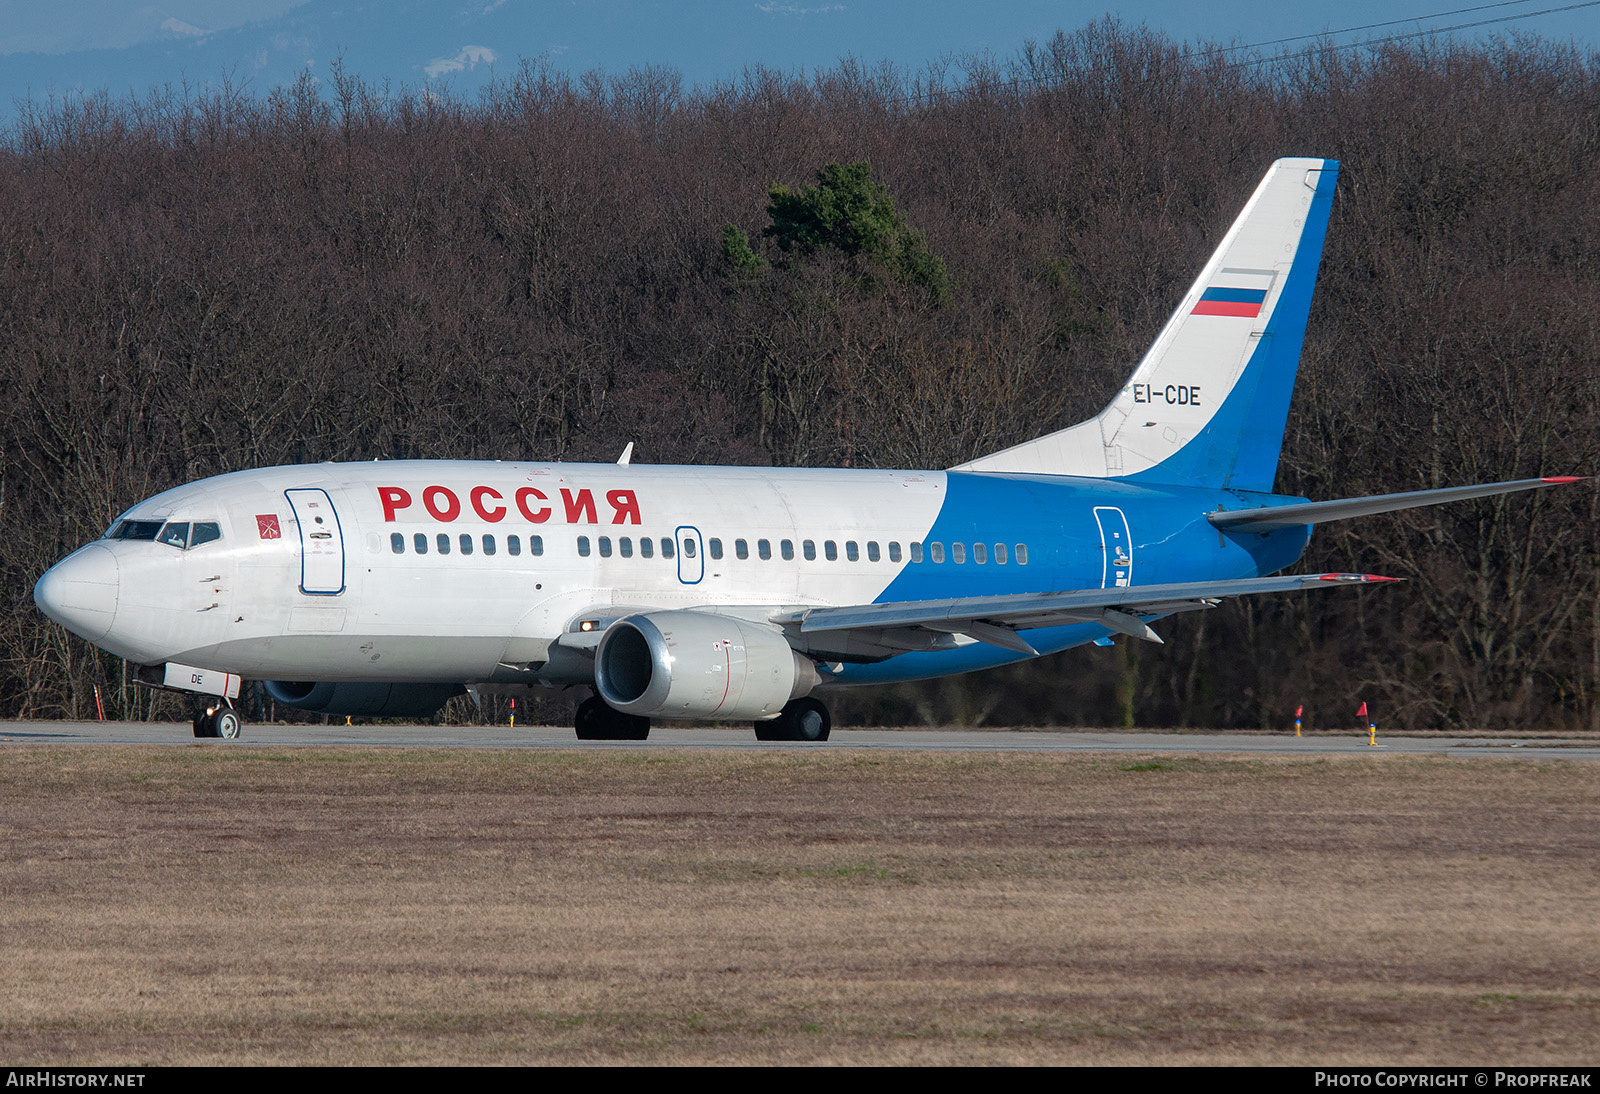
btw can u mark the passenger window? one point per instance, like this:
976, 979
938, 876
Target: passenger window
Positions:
513, 545
466, 544
666, 547
809, 549
397, 543
916, 552
583, 546
688, 548
625, 546
605, 546
444, 543
647, 548
980, 554
741, 548
894, 550
1022, 554
830, 551
536, 545
715, 547
999, 554
175, 534
420, 542
488, 545
204, 532
936, 552
787, 548
872, 550
851, 553
764, 548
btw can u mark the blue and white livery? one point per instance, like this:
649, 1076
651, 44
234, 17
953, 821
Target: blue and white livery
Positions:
743, 593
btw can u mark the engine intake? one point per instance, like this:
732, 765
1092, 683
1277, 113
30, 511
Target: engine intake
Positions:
698, 665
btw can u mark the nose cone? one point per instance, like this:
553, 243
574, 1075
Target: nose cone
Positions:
80, 592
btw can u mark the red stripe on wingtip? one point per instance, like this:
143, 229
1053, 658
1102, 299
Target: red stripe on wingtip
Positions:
1563, 478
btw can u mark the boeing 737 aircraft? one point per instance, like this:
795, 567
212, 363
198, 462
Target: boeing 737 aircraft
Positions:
730, 593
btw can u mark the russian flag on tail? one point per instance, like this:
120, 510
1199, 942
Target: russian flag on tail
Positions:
1244, 303
1238, 291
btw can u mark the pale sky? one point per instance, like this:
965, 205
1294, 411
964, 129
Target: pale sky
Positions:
75, 46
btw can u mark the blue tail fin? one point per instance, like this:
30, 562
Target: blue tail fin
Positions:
1208, 404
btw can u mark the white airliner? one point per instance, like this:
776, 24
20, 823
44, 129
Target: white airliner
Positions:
385, 588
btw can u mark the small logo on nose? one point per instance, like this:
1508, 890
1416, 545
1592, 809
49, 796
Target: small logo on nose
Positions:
267, 526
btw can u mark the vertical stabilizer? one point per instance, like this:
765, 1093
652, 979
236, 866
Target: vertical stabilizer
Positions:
1208, 404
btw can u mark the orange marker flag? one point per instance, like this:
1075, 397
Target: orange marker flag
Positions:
1362, 713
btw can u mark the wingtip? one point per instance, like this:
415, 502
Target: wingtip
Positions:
1556, 479
1358, 579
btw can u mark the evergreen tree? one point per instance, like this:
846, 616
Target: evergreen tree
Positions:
848, 212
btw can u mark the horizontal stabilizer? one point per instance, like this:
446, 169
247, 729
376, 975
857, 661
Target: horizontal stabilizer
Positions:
1271, 518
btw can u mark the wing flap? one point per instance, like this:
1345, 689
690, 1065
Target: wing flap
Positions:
997, 619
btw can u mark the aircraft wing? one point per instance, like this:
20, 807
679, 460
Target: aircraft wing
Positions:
997, 619
1271, 518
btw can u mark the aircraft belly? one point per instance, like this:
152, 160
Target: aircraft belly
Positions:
391, 657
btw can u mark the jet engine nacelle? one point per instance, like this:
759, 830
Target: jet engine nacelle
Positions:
698, 665
372, 700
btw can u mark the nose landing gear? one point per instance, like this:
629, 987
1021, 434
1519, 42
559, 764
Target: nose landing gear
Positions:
217, 720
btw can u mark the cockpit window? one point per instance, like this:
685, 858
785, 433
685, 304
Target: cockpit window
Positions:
181, 534
135, 529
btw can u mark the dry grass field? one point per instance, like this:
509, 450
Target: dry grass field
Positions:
213, 905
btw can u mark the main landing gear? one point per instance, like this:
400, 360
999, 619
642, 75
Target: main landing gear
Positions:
217, 719
596, 721
800, 720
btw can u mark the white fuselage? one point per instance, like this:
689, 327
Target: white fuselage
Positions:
469, 572
254, 602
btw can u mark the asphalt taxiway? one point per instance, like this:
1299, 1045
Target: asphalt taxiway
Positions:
931, 740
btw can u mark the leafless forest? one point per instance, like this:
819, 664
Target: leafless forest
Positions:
193, 283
